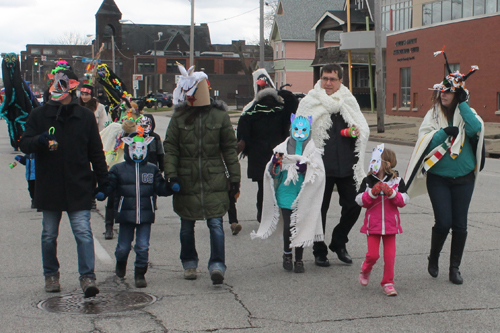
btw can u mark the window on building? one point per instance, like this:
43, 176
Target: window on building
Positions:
498, 101
456, 10
454, 67
62, 52
146, 66
478, 7
48, 51
467, 8
446, 10
436, 12
232, 66
394, 100
206, 64
405, 86
361, 77
426, 14
491, 6
400, 13
35, 51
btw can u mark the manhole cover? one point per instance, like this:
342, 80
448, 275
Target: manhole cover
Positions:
102, 303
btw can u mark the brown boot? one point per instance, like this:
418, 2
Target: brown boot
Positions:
236, 228
52, 284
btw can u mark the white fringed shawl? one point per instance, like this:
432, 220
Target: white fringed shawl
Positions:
305, 223
321, 106
433, 121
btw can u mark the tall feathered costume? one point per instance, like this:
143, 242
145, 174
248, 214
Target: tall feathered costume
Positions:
19, 100
115, 90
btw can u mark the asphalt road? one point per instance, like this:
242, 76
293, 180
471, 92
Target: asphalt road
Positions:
257, 294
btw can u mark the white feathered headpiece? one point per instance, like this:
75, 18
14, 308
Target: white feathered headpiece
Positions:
188, 82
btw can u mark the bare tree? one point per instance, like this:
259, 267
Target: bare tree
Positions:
71, 38
269, 12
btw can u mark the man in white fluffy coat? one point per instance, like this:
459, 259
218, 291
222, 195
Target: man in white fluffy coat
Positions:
334, 108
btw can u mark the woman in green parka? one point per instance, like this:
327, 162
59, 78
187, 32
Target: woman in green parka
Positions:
199, 140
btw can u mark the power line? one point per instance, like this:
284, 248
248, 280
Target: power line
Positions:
229, 18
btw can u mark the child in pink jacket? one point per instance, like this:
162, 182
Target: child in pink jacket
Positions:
381, 193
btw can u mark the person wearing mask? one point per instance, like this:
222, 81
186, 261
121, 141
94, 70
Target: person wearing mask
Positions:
199, 140
65, 138
445, 163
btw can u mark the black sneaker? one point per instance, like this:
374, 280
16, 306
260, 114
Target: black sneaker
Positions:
287, 261
322, 261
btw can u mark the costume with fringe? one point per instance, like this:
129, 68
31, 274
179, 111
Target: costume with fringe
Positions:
321, 106
19, 100
434, 121
305, 224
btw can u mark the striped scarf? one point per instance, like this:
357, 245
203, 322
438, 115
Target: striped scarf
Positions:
439, 152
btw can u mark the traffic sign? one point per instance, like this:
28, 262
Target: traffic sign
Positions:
138, 77
87, 60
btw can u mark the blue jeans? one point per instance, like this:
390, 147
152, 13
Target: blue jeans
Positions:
141, 248
189, 256
450, 200
80, 225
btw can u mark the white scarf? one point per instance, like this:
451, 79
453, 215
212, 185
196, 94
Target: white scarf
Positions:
434, 120
305, 223
321, 106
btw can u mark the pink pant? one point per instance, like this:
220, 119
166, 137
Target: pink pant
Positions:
389, 256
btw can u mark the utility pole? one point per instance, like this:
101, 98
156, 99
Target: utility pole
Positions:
113, 52
191, 37
262, 42
379, 69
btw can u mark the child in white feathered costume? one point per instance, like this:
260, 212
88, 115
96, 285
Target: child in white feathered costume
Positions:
293, 181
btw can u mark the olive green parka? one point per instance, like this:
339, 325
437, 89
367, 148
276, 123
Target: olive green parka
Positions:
195, 153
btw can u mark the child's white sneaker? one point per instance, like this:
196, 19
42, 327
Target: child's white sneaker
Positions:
389, 289
364, 278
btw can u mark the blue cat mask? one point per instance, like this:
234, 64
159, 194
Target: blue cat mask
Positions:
301, 127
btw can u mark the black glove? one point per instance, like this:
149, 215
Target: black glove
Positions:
234, 189
174, 184
451, 130
44, 138
461, 95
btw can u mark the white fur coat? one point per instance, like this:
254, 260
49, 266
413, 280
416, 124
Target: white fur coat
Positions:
305, 223
321, 106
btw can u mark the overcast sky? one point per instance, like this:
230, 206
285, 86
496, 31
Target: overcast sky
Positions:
41, 21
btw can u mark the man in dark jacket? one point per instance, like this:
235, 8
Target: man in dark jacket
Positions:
334, 109
65, 138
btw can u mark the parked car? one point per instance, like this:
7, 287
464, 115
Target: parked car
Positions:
160, 98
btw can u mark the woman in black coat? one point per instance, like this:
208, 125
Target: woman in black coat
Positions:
261, 128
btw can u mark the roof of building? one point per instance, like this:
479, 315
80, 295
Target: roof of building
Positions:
108, 7
294, 19
140, 37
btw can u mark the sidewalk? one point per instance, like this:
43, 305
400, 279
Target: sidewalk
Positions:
404, 131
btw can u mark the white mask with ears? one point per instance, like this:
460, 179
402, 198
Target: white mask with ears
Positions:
138, 147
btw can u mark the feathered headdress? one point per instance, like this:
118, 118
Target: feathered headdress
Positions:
455, 79
188, 82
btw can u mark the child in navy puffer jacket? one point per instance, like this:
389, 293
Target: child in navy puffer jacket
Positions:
382, 192
135, 184
29, 161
